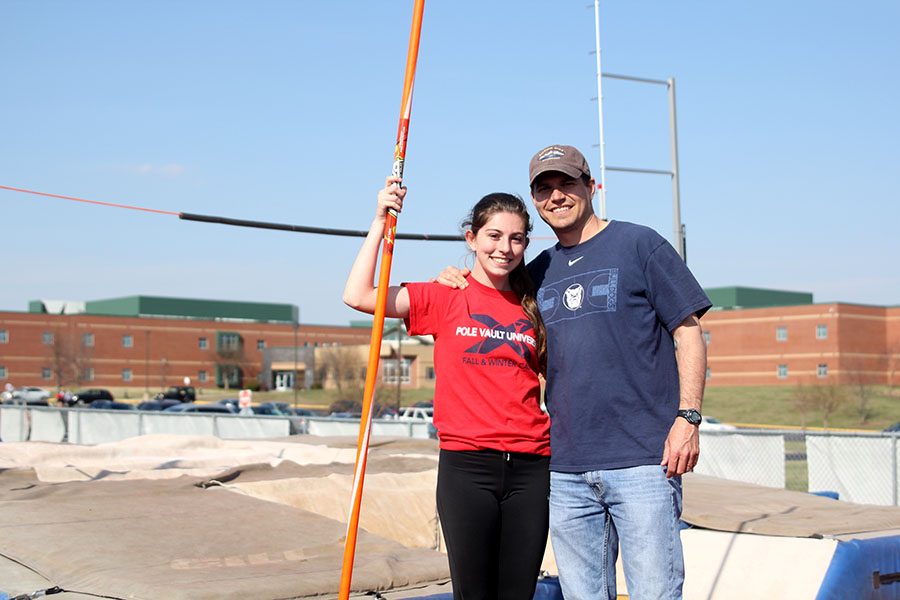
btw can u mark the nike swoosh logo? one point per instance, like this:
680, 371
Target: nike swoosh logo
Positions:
575, 260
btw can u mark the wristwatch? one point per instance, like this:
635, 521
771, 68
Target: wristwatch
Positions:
691, 415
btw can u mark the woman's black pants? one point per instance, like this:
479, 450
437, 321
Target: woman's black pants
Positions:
494, 514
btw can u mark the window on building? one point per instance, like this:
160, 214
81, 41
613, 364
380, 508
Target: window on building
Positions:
87, 374
822, 370
229, 375
782, 371
707, 336
781, 334
260, 344
47, 338
390, 371
127, 341
2, 372
4, 336
202, 376
429, 373
821, 332
202, 343
229, 342
87, 340
708, 373
46, 373
126, 374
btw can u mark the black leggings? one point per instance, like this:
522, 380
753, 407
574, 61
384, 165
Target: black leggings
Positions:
494, 515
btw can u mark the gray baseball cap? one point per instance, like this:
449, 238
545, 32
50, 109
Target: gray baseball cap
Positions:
565, 159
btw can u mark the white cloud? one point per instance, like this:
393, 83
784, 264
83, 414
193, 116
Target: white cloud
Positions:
151, 169
170, 170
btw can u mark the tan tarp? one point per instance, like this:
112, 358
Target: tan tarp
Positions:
167, 456
197, 517
175, 538
723, 505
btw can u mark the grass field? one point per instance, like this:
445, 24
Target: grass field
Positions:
778, 406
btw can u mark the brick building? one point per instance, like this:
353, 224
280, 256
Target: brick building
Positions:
754, 337
770, 337
152, 342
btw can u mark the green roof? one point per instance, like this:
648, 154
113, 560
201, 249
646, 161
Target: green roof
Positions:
157, 306
724, 298
390, 328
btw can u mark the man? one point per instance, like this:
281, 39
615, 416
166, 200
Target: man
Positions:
616, 300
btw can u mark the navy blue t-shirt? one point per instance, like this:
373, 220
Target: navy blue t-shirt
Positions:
609, 306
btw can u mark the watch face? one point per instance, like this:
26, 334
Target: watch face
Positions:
691, 415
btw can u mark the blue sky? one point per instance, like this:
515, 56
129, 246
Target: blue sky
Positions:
287, 111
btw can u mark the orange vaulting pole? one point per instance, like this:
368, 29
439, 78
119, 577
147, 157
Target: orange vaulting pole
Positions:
384, 276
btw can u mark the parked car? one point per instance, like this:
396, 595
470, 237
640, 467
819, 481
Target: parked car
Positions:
84, 397
296, 416
157, 404
191, 407
30, 395
385, 412
182, 393
111, 405
232, 404
895, 428
416, 413
268, 409
713, 424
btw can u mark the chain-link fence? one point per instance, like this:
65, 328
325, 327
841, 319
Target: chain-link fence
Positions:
94, 426
856, 467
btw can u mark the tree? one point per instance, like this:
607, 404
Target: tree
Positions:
803, 400
861, 388
828, 399
825, 399
230, 359
344, 366
893, 364
69, 358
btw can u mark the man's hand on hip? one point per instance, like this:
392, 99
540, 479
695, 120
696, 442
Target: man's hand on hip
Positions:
682, 449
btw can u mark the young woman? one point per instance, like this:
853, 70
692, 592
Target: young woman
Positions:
493, 470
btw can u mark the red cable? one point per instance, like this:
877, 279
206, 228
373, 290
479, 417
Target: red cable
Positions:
151, 210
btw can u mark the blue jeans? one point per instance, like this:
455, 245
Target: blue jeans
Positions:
590, 513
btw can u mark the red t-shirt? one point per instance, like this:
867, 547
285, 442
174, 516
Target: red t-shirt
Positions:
487, 394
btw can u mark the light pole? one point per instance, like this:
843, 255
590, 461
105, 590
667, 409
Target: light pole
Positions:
399, 363
296, 350
678, 230
600, 111
163, 372
146, 364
